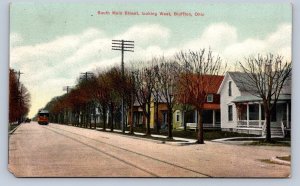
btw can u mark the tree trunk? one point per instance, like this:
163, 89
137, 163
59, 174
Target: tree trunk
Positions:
95, 122
104, 117
90, 116
148, 132
170, 127
131, 118
183, 120
268, 125
200, 136
123, 126
157, 119
111, 119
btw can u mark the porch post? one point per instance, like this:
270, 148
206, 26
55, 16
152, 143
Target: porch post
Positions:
247, 115
214, 118
196, 117
287, 115
182, 118
259, 115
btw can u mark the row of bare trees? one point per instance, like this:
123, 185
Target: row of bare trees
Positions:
19, 98
177, 80
183, 80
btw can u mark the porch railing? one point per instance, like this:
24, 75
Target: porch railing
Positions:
283, 128
250, 123
210, 125
205, 125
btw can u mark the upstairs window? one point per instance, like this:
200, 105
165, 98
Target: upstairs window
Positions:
229, 88
210, 98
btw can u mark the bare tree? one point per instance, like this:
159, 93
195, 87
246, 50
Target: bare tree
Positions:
205, 68
182, 99
144, 84
113, 79
19, 99
265, 76
167, 73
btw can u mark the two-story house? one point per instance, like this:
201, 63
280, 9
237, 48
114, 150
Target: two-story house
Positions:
244, 113
211, 116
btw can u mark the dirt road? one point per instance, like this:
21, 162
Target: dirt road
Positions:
66, 151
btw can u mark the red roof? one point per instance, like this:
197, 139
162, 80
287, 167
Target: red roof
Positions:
211, 106
194, 88
211, 82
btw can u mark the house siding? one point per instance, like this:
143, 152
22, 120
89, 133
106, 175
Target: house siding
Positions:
226, 100
162, 107
177, 124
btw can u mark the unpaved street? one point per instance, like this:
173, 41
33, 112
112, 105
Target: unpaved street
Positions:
66, 151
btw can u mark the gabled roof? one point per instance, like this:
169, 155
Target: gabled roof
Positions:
213, 82
240, 80
243, 82
210, 82
223, 83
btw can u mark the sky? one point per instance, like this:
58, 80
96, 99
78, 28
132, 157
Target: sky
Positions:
53, 43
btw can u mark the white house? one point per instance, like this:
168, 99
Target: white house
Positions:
243, 112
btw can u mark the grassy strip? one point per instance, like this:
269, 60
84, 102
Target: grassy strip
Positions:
12, 127
190, 134
155, 138
208, 134
272, 143
285, 158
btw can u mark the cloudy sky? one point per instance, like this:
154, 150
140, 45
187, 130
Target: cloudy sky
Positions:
53, 43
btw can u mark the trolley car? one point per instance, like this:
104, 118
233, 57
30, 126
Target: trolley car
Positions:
43, 117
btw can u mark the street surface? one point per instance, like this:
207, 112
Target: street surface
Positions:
66, 151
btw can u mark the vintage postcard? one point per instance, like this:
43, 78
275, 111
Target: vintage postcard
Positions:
150, 90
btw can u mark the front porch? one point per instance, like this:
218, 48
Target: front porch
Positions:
251, 118
211, 119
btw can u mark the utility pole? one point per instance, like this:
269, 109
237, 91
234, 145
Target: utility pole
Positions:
67, 88
19, 75
123, 46
132, 102
85, 77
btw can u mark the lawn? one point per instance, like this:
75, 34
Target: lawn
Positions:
208, 134
285, 158
12, 127
274, 142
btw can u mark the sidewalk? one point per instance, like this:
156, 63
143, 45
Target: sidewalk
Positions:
181, 141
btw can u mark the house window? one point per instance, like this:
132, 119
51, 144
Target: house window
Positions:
165, 117
229, 88
210, 98
207, 116
253, 111
230, 113
262, 112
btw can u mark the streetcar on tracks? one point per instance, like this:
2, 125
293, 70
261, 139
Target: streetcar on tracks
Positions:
43, 117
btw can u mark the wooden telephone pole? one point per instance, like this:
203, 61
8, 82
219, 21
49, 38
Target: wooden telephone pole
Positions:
123, 46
